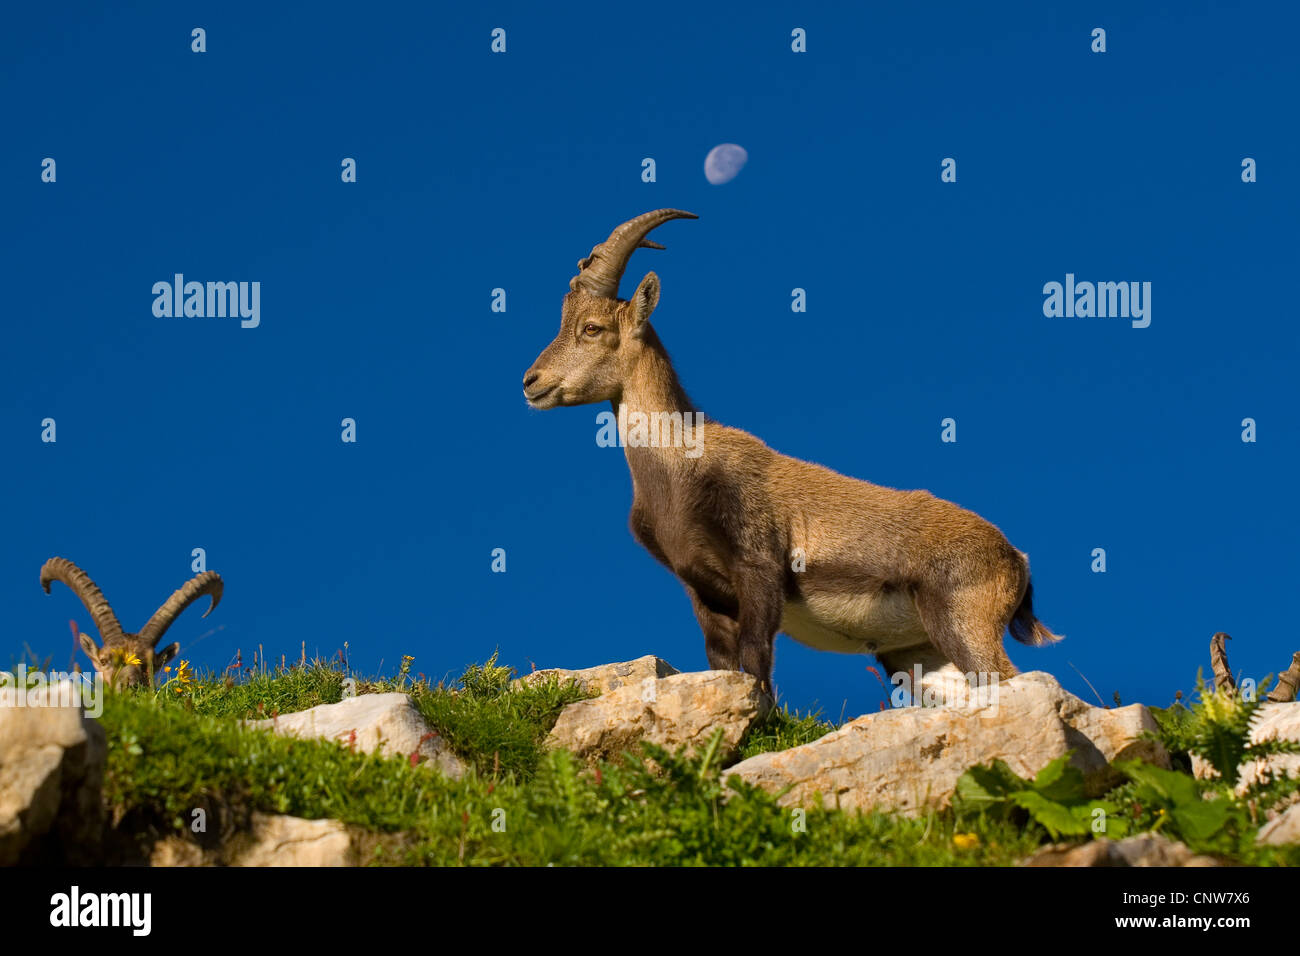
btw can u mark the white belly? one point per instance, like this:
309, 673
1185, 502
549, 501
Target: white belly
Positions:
854, 623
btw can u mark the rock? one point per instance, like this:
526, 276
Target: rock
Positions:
1283, 828
608, 677
175, 851
910, 758
271, 840
387, 723
1102, 735
51, 775
1145, 849
669, 711
1275, 722
290, 841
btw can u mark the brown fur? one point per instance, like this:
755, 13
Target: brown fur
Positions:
728, 524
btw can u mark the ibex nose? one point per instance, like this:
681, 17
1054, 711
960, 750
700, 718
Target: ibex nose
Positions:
531, 376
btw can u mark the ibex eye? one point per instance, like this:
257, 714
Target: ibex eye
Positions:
592, 330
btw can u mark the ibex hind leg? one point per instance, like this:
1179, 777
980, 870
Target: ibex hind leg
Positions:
967, 626
919, 667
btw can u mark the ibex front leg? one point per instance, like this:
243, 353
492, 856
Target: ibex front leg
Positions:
743, 642
721, 634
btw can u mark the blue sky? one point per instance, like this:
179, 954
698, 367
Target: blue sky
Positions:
479, 170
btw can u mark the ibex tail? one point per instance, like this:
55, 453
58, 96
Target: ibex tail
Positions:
1028, 629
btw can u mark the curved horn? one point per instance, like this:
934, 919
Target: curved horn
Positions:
61, 569
600, 272
209, 582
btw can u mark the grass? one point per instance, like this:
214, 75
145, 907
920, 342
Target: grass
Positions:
486, 723
260, 694
492, 727
781, 730
165, 761
178, 748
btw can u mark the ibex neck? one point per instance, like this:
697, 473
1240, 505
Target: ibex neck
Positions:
653, 385
659, 428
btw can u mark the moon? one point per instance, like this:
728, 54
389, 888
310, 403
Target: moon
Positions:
724, 163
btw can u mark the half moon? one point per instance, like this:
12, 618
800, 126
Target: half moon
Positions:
724, 163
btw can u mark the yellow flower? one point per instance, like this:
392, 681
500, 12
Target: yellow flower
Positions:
183, 677
965, 841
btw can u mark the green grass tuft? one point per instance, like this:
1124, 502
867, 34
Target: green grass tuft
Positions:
783, 729
496, 728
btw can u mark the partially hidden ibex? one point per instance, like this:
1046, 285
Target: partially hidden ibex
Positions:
764, 542
124, 659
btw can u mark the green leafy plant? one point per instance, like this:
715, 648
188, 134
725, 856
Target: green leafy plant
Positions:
1217, 728
1054, 799
1173, 799
486, 681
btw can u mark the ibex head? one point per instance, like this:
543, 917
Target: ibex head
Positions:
127, 660
601, 336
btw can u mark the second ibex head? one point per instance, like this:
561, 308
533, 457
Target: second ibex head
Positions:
125, 659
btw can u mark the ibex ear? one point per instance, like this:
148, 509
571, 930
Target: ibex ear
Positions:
162, 658
88, 645
644, 301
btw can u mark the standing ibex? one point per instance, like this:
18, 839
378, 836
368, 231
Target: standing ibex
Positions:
767, 543
129, 659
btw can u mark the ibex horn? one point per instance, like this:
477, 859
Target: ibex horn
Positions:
101, 612
600, 272
209, 582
